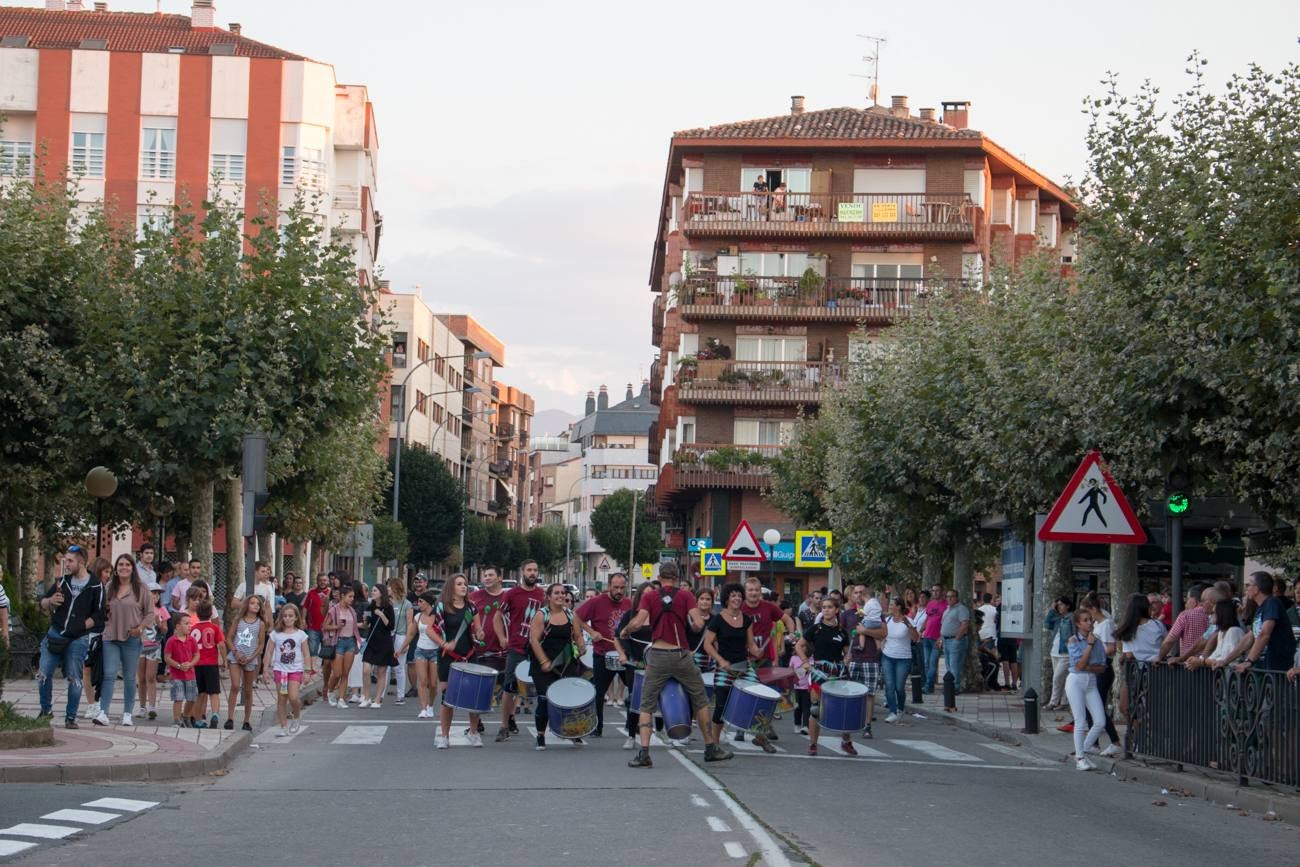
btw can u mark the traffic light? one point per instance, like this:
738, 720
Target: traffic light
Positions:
1177, 503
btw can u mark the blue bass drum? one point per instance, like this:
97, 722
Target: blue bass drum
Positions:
675, 708
844, 706
707, 677
634, 697
750, 706
469, 687
571, 704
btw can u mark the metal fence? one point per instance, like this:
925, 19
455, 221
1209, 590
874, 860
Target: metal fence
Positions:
1245, 724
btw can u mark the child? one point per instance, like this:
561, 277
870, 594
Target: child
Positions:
179, 655
801, 662
288, 655
207, 634
244, 645
872, 617
151, 653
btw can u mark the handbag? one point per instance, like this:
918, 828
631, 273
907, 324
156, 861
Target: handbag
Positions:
56, 645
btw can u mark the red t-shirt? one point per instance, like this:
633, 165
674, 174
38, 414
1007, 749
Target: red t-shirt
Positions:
765, 616
314, 607
181, 649
669, 625
208, 636
486, 605
603, 614
518, 605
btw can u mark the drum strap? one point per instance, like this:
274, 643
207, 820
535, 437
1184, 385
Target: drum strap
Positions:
460, 633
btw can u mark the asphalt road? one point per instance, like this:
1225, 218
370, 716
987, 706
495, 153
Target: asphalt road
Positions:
359, 786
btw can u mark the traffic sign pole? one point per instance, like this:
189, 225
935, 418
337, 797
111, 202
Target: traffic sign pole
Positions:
1176, 562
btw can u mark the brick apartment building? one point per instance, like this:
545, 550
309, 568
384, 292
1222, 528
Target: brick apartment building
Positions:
785, 245
512, 428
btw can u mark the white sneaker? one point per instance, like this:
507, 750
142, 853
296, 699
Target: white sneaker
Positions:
629, 743
440, 743
1084, 765
1112, 751
399, 701
126, 720
100, 718
892, 718
282, 733
295, 726
423, 714
354, 698
376, 705
475, 739
365, 702
92, 711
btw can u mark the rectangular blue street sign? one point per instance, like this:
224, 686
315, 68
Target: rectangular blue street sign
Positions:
699, 543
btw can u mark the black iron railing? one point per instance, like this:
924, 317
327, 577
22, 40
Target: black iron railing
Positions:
1244, 724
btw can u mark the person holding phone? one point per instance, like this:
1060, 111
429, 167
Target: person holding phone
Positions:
1087, 660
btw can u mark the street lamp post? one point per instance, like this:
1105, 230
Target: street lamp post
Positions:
568, 527
100, 484
772, 537
397, 458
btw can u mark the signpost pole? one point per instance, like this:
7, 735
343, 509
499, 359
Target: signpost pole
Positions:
1176, 562
1032, 668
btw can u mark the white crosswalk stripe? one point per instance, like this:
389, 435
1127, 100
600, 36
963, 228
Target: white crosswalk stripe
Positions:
71, 821
734, 849
1017, 753
127, 804
13, 847
361, 736
86, 817
45, 832
935, 751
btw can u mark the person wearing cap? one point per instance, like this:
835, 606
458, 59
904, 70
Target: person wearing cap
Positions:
151, 644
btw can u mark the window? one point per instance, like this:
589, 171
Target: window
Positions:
288, 167
421, 349
1047, 230
399, 349
311, 168
421, 402
791, 264
15, 159
228, 167
771, 348
1026, 217
158, 151
87, 154
150, 218
762, 431
888, 278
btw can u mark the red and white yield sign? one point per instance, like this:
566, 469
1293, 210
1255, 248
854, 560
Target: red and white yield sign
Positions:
1092, 509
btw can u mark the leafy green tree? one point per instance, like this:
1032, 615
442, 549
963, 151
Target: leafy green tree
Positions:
432, 504
611, 525
475, 552
546, 545
518, 549
391, 541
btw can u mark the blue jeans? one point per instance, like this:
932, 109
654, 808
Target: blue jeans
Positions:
71, 659
954, 657
896, 674
929, 647
121, 656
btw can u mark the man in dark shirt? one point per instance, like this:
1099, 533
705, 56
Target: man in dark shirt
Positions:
599, 616
1269, 643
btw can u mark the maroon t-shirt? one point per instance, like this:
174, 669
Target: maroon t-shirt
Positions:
518, 605
669, 625
486, 605
765, 616
603, 613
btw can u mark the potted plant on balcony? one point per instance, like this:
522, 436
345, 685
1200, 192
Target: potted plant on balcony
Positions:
733, 376
714, 349
810, 283
686, 368
684, 457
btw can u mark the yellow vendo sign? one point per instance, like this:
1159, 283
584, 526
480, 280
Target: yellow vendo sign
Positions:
812, 549
712, 562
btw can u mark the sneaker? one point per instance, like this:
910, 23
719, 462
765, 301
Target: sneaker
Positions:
153, 713
45, 714
127, 721
91, 711
354, 698
440, 743
100, 719
717, 753
541, 742
848, 749
767, 745
229, 726
423, 714
198, 724
1112, 751
514, 729
246, 727
376, 705
364, 703
812, 749
295, 726
892, 718
1068, 728
866, 733
579, 742
641, 760
283, 732
502, 734
739, 738
212, 723
71, 723
1084, 765
475, 740
802, 730
680, 742
480, 727
629, 743
399, 701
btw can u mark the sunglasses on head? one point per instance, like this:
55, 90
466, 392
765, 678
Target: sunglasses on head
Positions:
74, 549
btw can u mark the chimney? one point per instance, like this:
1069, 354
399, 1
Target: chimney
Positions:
645, 387
796, 105
602, 400
235, 27
202, 15
629, 392
101, 7
957, 113
928, 114
54, 5
591, 403
75, 6
898, 106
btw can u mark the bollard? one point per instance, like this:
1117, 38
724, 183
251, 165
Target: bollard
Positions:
1031, 712
949, 692
916, 689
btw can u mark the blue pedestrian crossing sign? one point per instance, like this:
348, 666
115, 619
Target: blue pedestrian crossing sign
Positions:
712, 562
812, 549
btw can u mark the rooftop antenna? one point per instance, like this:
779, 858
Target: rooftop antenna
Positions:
874, 59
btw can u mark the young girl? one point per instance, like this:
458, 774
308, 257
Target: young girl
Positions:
151, 645
1087, 660
729, 642
455, 632
403, 634
426, 653
378, 655
341, 623
829, 644
244, 649
697, 621
801, 662
288, 656
556, 641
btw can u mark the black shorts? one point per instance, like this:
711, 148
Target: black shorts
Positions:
208, 679
508, 683
444, 666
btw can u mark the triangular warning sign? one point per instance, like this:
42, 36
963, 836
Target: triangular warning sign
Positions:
744, 547
1092, 508
604, 565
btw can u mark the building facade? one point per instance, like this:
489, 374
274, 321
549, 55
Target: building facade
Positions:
785, 246
512, 428
427, 365
484, 353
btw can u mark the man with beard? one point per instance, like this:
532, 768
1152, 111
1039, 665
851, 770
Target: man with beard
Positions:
764, 615
510, 623
487, 601
599, 615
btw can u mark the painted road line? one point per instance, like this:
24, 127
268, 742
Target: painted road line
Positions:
697, 801
979, 766
45, 832
13, 847
86, 817
734, 849
360, 735
935, 751
121, 804
771, 852
1017, 753
717, 824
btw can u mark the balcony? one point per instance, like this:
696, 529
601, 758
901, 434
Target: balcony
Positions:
811, 298
877, 216
750, 382
656, 381
698, 468
501, 468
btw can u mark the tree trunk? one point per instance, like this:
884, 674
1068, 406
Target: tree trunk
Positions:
13, 561
265, 550
277, 566
201, 526
234, 508
27, 570
308, 564
1058, 580
931, 566
963, 581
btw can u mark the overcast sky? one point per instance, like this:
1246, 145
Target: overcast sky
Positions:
522, 144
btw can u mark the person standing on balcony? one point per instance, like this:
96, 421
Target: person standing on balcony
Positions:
1270, 645
757, 209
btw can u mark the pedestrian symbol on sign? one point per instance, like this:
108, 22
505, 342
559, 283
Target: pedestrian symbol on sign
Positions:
813, 549
1096, 491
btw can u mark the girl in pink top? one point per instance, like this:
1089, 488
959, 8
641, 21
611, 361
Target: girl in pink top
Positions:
801, 662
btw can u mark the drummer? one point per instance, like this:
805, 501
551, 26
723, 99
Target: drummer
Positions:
729, 643
599, 616
487, 601
765, 614
510, 622
669, 657
455, 631
829, 642
631, 655
696, 624
556, 642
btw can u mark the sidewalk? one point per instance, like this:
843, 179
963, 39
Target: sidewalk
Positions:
149, 750
1001, 716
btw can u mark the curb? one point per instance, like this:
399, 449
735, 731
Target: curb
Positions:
1258, 799
144, 772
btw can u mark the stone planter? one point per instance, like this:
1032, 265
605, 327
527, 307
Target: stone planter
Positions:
27, 739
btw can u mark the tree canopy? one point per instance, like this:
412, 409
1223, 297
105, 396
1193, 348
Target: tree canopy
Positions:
611, 525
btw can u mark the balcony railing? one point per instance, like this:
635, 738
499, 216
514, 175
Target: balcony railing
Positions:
347, 196
714, 381
699, 467
949, 216
501, 468
807, 298
657, 319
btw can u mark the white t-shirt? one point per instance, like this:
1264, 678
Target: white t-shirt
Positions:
989, 628
1227, 641
1145, 645
290, 648
898, 641
1105, 631
265, 589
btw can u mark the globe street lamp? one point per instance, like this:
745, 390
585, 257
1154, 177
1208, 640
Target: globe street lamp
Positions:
772, 537
100, 484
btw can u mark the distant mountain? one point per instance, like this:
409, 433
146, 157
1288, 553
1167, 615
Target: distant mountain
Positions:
552, 422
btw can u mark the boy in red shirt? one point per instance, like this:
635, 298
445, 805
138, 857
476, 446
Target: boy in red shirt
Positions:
208, 636
179, 653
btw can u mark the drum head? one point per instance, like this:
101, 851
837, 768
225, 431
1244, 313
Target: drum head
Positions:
845, 688
523, 672
587, 658
707, 677
759, 691
471, 668
570, 692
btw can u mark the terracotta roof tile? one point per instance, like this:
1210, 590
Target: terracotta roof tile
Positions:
126, 31
833, 123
